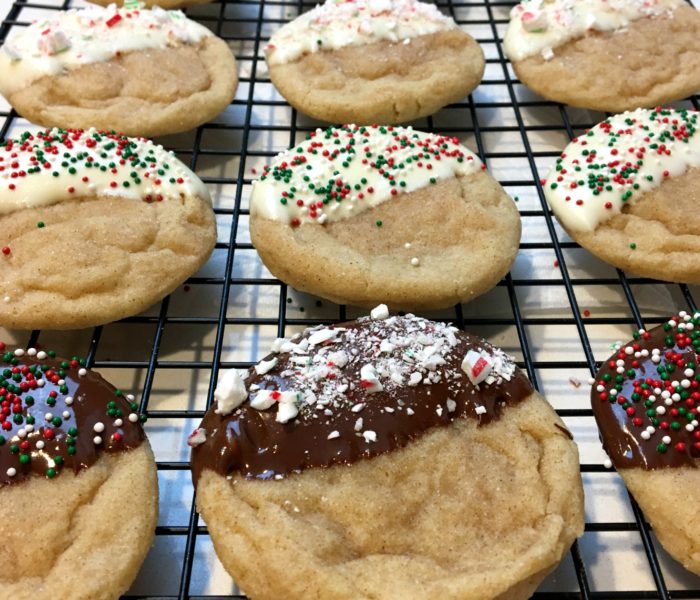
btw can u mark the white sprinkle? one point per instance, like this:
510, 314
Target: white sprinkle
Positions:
31, 351
48, 416
333, 435
323, 335
607, 463
369, 435
130, 397
41, 355
286, 411
66, 414
39, 445
645, 435
97, 440
369, 379
415, 261
666, 439
358, 407
230, 393
689, 372
118, 423
480, 410
379, 313
22, 433
11, 472
197, 437
359, 424
82, 372
660, 410
99, 427
262, 400
415, 379
388, 409
19, 352
410, 412
265, 366
133, 417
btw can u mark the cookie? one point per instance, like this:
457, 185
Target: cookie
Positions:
95, 227
136, 71
363, 215
627, 191
389, 457
78, 485
373, 61
645, 400
607, 56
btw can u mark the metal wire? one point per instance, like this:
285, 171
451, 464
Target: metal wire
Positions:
253, 18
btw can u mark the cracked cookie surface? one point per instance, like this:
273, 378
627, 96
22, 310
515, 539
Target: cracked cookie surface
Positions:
138, 72
369, 215
382, 82
95, 227
612, 71
387, 457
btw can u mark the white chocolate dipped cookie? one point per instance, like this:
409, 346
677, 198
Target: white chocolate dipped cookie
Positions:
384, 458
95, 227
363, 215
608, 55
373, 61
627, 191
137, 71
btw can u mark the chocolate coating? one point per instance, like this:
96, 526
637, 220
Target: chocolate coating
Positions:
645, 399
80, 408
326, 430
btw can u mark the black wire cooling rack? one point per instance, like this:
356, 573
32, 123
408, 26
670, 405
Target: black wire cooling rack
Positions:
558, 311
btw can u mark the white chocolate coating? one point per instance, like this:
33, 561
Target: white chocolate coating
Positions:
69, 39
50, 166
341, 171
339, 23
617, 161
539, 26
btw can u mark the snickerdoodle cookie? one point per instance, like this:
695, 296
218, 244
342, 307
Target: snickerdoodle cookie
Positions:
645, 400
137, 71
95, 227
390, 457
73, 455
363, 215
608, 55
373, 61
627, 191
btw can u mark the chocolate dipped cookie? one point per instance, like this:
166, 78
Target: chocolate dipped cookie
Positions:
137, 71
627, 191
645, 400
607, 55
373, 61
368, 215
94, 227
72, 448
386, 457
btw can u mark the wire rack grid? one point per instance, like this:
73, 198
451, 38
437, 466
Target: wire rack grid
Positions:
558, 310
